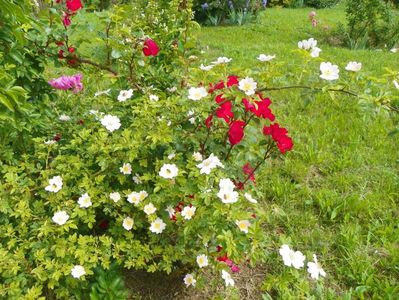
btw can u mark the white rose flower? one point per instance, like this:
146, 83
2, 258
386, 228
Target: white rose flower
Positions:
188, 212
136, 198
291, 257
60, 217
115, 196
157, 226
112, 123
189, 280
210, 163
202, 260
396, 84
329, 71
54, 184
353, 66
172, 89
315, 52
222, 60
149, 209
126, 169
247, 85
228, 196
249, 198
196, 94
206, 68
125, 95
226, 184
78, 271
243, 225
128, 223
227, 278
265, 58
64, 118
197, 156
315, 270
50, 142
172, 156
168, 171
84, 201
307, 44
154, 98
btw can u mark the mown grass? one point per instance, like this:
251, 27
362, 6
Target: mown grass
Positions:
337, 194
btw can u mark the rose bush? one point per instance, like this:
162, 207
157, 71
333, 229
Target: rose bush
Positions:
156, 172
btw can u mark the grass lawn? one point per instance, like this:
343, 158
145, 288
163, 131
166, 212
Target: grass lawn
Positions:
337, 194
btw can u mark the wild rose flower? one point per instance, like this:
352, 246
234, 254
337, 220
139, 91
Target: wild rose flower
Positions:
128, 223
157, 226
171, 211
169, 171
329, 71
197, 156
206, 68
243, 225
353, 66
125, 95
226, 184
210, 163
149, 209
396, 84
208, 121
78, 271
236, 132
247, 85
115, 196
74, 5
248, 170
126, 169
110, 122
67, 83
260, 108
228, 280
250, 198
84, 201
291, 257
232, 80
60, 217
150, 48
55, 184
315, 270
307, 44
154, 98
189, 280
265, 58
136, 179
222, 60
188, 212
202, 260
228, 196
196, 94
136, 197
315, 52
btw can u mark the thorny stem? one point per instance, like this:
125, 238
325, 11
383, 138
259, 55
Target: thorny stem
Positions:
270, 147
102, 67
308, 88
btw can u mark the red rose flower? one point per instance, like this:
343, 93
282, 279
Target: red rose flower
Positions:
208, 121
260, 108
71, 49
236, 132
66, 20
219, 98
249, 171
57, 137
224, 111
232, 80
150, 48
74, 5
279, 135
61, 54
235, 269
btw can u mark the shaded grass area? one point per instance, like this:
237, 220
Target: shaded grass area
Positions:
337, 194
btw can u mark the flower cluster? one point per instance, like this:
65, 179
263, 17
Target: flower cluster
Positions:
311, 46
297, 260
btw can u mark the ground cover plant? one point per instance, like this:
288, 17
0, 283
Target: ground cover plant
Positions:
269, 153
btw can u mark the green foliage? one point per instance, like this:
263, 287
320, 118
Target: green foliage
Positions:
235, 12
321, 3
108, 284
371, 23
302, 3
